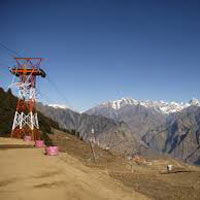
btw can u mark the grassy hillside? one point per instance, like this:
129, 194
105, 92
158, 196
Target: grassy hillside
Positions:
7, 109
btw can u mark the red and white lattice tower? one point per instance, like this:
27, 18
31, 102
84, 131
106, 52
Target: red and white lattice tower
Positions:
25, 119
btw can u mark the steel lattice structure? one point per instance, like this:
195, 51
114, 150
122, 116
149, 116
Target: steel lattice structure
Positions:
25, 119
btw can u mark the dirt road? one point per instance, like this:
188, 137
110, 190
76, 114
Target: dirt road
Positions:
26, 173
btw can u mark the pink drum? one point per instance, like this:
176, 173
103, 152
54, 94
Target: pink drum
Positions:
52, 150
39, 143
27, 138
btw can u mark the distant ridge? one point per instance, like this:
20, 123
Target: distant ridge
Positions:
160, 106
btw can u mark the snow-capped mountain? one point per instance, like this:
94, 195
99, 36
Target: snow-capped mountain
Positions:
141, 116
156, 126
58, 106
160, 106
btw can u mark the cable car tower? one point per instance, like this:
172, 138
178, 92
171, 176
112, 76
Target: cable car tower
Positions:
25, 119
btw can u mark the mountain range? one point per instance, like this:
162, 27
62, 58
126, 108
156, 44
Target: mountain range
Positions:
171, 128
159, 106
109, 133
127, 125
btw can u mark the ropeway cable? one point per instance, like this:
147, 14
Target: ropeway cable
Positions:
60, 93
9, 49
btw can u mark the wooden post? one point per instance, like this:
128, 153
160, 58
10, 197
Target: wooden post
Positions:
93, 152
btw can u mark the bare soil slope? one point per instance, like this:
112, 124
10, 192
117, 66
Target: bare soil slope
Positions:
26, 173
150, 178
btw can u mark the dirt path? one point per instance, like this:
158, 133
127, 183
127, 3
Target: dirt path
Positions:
28, 174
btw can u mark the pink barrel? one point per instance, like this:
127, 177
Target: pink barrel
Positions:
39, 143
27, 138
52, 150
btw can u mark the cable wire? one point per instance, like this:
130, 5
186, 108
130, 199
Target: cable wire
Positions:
8, 49
60, 93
